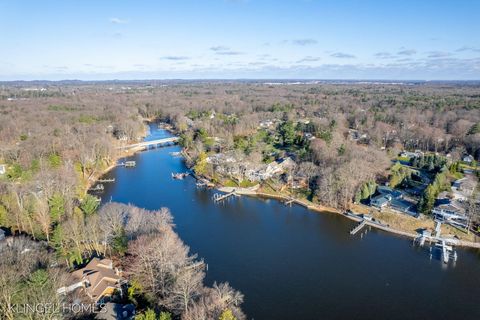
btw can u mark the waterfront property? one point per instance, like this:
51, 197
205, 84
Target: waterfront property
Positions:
381, 201
463, 188
254, 242
98, 280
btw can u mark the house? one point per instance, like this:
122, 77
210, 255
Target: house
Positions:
353, 134
266, 124
450, 211
468, 158
279, 167
395, 194
450, 216
304, 121
255, 175
411, 155
308, 136
298, 182
3, 168
381, 201
286, 163
220, 158
189, 122
98, 279
463, 188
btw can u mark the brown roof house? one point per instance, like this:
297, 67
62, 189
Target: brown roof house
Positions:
98, 279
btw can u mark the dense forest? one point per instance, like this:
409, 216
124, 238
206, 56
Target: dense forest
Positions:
57, 138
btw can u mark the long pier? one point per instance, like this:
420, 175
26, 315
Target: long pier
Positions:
146, 144
359, 227
289, 202
217, 197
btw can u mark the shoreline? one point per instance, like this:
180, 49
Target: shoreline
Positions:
322, 209
254, 193
93, 179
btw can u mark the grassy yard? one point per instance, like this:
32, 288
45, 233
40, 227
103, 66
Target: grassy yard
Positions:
410, 224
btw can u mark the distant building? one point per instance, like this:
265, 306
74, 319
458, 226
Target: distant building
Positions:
412, 155
221, 158
189, 122
309, 136
266, 124
3, 168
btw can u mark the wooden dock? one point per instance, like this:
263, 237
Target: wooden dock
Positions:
359, 227
217, 197
289, 202
98, 187
130, 164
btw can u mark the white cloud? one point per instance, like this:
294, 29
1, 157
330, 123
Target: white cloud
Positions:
304, 42
407, 52
225, 51
118, 21
342, 55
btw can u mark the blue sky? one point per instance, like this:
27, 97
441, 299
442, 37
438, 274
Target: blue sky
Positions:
302, 39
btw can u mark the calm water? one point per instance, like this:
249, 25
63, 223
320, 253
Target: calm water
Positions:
295, 264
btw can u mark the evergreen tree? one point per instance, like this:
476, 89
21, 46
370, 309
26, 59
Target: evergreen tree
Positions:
89, 204
201, 164
287, 131
165, 316
120, 242
227, 315
57, 206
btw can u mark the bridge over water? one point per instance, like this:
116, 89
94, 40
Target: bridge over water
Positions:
154, 143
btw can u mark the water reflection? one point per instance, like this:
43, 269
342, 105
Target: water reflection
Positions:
295, 264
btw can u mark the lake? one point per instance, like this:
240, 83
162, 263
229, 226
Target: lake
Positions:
291, 263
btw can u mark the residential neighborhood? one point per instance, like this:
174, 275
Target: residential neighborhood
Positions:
450, 206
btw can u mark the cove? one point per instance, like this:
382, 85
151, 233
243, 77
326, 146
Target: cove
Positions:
291, 263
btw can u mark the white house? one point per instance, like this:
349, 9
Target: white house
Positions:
3, 168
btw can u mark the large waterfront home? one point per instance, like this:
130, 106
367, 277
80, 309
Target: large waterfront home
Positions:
98, 279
